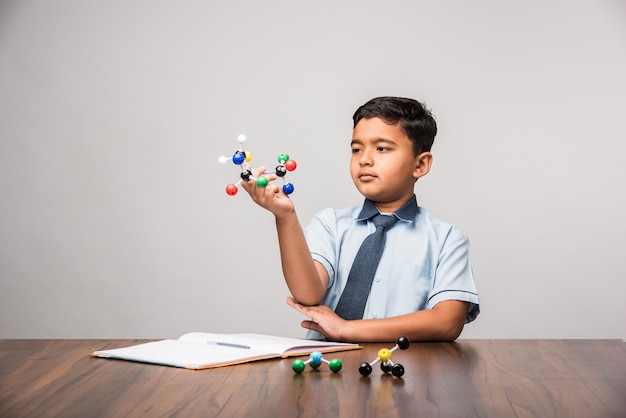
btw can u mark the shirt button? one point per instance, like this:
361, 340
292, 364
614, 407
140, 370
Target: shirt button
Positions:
377, 279
374, 315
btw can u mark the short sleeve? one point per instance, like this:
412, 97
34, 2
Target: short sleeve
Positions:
320, 235
454, 279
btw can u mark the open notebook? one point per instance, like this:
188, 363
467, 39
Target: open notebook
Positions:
201, 350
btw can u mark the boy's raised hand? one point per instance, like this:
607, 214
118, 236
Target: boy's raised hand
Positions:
270, 197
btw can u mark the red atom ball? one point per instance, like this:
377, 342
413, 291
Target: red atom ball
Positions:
231, 190
290, 165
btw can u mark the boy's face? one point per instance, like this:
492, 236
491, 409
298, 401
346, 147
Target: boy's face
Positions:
383, 167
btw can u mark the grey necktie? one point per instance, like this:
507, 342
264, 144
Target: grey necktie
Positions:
352, 302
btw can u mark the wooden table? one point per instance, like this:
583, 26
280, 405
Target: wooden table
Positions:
468, 378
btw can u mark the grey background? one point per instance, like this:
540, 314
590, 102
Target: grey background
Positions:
113, 218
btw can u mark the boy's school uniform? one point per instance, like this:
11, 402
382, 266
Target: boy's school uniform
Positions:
425, 261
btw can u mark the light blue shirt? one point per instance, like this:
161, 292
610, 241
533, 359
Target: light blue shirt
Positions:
425, 260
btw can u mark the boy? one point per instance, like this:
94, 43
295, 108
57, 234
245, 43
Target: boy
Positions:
423, 288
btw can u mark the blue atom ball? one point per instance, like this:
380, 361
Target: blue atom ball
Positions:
288, 188
316, 356
239, 157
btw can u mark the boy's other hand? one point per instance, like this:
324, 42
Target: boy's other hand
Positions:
322, 319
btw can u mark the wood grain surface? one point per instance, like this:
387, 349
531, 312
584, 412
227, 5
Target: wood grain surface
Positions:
468, 378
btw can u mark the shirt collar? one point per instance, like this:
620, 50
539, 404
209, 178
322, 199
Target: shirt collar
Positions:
408, 212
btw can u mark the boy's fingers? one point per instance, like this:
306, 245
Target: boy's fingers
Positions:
300, 308
259, 171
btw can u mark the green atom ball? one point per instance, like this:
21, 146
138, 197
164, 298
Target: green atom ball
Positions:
335, 365
262, 182
298, 366
283, 157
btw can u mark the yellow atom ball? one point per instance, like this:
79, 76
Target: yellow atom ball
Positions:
384, 354
248, 155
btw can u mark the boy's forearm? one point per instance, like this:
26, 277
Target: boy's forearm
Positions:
427, 325
298, 266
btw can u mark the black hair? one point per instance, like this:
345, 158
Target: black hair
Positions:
415, 120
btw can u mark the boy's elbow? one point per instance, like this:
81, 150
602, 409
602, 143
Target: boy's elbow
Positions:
453, 334
308, 301
307, 298
451, 315
449, 331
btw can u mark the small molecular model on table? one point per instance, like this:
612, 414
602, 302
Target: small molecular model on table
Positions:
315, 360
240, 157
384, 356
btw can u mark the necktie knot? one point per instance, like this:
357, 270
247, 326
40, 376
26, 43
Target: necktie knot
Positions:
386, 221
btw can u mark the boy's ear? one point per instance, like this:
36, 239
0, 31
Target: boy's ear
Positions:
423, 162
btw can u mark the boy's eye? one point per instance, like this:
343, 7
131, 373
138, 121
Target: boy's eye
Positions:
355, 150
382, 149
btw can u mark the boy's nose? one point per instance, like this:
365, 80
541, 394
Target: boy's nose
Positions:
366, 158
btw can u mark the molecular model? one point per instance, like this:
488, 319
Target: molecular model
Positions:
240, 157
315, 360
384, 356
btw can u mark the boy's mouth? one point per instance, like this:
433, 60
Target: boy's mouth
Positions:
366, 176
